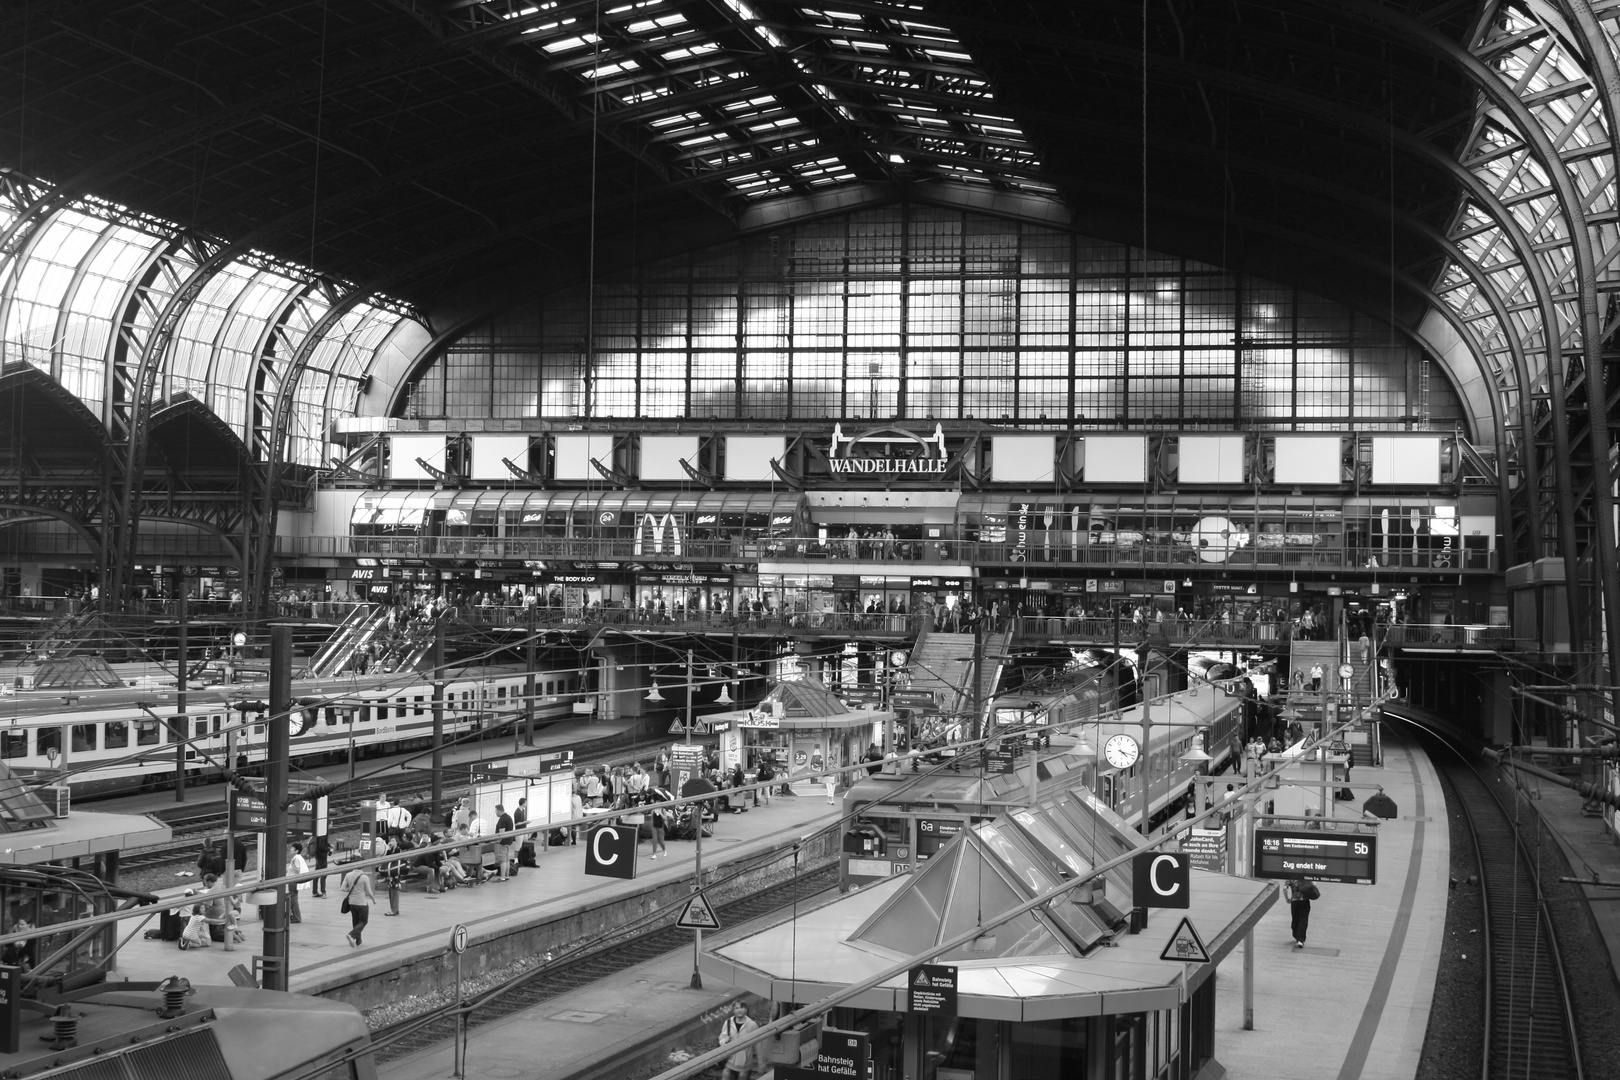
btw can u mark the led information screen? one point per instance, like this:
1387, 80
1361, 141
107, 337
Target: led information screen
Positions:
1322, 856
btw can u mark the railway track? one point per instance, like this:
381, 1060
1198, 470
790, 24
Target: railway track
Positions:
580, 969
1530, 1030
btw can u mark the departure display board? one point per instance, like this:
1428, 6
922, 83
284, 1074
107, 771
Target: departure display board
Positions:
1321, 856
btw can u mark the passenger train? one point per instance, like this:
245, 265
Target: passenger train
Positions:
102, 728
900, 820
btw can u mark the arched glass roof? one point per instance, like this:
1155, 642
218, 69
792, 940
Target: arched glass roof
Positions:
92, 268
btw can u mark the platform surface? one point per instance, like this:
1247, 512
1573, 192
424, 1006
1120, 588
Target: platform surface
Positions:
1354, 1003
320, 956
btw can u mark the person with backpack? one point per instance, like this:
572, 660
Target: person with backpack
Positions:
765, 774
739, 1066
1299, 893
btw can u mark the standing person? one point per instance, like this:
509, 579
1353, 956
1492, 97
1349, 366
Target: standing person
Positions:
394, 877
659, 824
359, 894
323, 849
503, 847
1299, 893
1366, 647
830, 781
296, 865
739, 1066
526, 848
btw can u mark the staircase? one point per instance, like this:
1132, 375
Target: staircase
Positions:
942, 663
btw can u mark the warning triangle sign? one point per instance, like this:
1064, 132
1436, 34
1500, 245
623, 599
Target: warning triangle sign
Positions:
1185, 945
922, 979
698, 914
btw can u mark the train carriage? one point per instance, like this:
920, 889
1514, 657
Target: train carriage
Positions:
96, 734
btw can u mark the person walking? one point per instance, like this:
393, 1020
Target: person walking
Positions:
830, 782
739, 1066
503, 847
394, 875
358, 896
1299, 893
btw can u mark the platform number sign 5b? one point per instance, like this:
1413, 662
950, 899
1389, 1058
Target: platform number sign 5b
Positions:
1161, 879
610, 851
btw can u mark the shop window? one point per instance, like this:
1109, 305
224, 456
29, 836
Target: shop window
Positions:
117, 734
14, 744
50, 738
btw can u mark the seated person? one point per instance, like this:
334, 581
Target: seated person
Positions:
451, 872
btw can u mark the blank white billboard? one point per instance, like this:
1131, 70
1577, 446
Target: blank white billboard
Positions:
574, 453
403, 450
661, 456
1308, 459
748, 457
488, 450
1022, 458
1116, 459
1210, 459
1408, 459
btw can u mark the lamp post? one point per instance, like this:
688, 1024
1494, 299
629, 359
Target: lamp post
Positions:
697, 834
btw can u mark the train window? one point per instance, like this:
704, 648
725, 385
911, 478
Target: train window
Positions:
331, 716
258, 729
50, 738
117, 734
365, 714
84, 737
146, 733
400, 708
176, 730
418, 704
895, 830
216, 725
202, 728
14, 744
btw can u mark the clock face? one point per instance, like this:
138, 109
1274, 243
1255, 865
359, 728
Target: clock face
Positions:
1121, 751
1346, 671
239, 638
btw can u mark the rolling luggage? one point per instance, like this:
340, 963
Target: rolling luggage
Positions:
171, 924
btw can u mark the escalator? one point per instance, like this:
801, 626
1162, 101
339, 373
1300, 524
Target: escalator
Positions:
348, 641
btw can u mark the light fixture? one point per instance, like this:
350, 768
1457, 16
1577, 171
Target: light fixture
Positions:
725, 695
653, 694
1195, 756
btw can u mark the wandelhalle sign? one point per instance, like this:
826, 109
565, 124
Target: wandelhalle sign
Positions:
900, 453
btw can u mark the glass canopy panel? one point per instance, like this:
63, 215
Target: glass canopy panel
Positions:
41, 285
93, 308
982, 891
1033, 871
748, 101
191, 353
909, 923
235, 348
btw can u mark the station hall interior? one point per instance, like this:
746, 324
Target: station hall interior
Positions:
992, 417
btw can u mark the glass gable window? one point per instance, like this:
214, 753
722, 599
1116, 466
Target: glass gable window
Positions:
932, 314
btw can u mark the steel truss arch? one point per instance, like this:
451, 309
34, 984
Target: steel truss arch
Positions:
1570, 205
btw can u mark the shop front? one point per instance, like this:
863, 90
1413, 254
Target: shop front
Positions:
675, 595
803, 728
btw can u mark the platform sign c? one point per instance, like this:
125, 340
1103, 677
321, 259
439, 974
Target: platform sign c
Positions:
610, 851
1161, 879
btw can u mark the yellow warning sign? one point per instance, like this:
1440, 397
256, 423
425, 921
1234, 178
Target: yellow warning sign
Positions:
1185, 945
698, 914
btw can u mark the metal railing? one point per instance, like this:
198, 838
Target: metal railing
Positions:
798, 622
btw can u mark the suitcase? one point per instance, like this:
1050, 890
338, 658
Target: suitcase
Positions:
171, 923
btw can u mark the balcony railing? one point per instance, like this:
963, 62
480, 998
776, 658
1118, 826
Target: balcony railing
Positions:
1148, 559
638, 619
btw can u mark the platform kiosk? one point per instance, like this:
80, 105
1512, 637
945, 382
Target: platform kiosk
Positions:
803, 727
1064, 990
